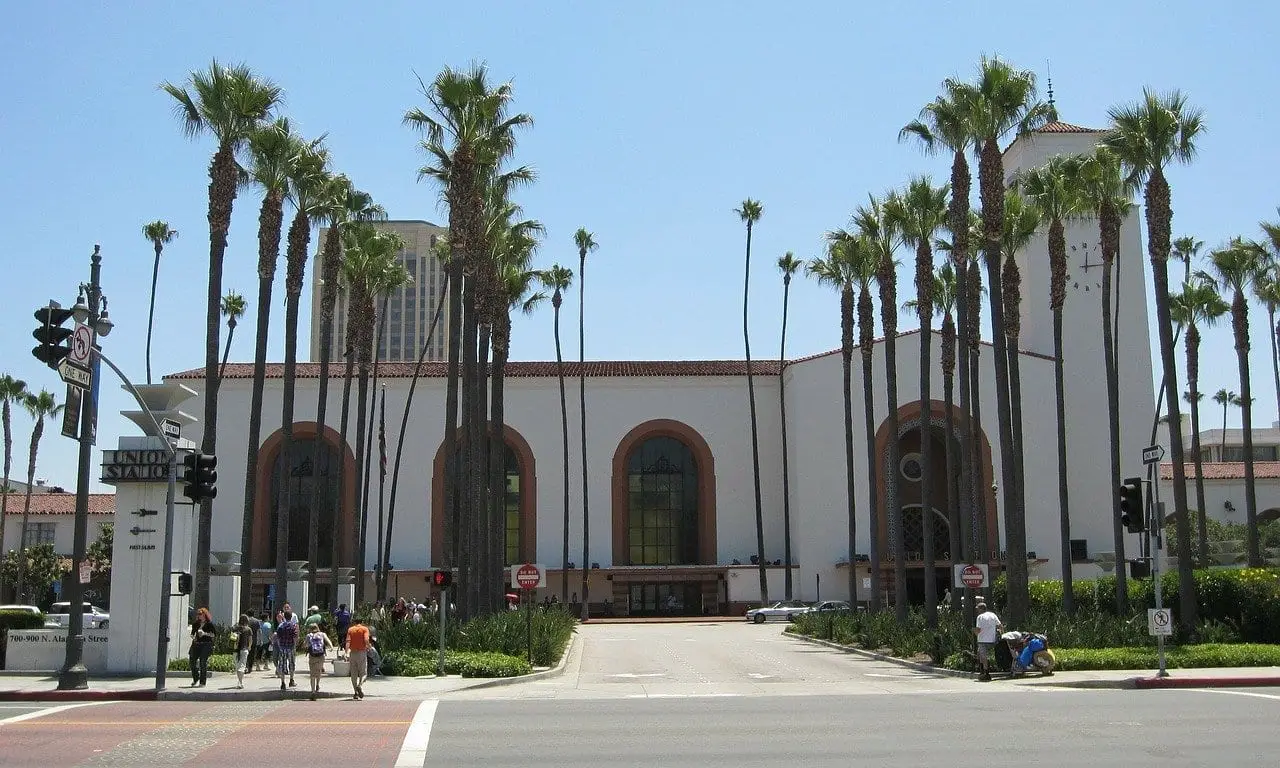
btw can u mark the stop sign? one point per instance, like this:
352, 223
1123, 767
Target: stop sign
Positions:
528, 576
971, 576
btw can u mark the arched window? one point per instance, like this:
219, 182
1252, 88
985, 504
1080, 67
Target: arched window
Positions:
662, 488
308, 466
913, 532
511, 506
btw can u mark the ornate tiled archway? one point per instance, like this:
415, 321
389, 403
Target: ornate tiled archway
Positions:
706, 492
528, 549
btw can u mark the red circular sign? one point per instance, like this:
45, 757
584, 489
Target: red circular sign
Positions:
971, 576
527, 576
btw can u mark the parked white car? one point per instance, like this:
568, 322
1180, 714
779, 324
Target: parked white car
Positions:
831, 606
783, 610
94, 617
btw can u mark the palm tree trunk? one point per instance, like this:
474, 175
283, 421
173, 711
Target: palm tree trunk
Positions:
564, 437
36, 432
1064, 507
384, 542
846, 364
1159, 217
1113, 419
331, 264
958, 223
366, 478
404, 419
1240, 326
582, 425
341, 480
296, 263
452, 474
955, 525
1272, 331
468, 544
761, 563
786, 465
977, 478
226, 351
255, 436
866, 342
151, 312
1193, 388
497, 469
887, 282
483, 510
222, 195
362, 405
6, 415
924, 283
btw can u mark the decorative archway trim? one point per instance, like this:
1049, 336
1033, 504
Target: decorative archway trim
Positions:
702, 456
261, 556
528, 497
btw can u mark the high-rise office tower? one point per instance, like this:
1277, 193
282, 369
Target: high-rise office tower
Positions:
409, 310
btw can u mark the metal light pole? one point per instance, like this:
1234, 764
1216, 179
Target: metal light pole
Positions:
74, 675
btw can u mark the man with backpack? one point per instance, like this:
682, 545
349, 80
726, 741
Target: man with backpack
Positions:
317, 644
286, 644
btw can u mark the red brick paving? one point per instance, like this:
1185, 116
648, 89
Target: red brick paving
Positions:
71, 736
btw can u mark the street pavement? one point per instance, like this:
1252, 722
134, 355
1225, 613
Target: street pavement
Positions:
697, 694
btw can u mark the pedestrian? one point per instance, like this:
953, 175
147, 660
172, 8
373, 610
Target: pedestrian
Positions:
318, 643
203, 633
357, 642
342, 621
988, 629
264, 641
399, 612
286, 645
313, 617
245, 637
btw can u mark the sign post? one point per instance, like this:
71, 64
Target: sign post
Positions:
528, 577
1159, 620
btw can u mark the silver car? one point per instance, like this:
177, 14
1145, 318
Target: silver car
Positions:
783, 610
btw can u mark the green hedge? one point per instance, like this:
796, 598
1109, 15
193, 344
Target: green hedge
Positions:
218, 662
12, 619
503, 632
1245, 599
420, 663
1176, 657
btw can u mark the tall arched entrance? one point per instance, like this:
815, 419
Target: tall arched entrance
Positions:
309, 473
520, 501
664, 514
914, 427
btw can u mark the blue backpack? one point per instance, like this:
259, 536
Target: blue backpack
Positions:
316, 644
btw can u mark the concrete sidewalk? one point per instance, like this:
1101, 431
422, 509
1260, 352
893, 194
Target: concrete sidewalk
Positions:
258, 686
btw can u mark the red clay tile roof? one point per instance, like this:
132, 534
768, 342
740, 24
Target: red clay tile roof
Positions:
912, 332
65, 504
1057, 126
1226, 470
518, 370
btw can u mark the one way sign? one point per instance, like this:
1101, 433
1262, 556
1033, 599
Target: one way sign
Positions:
1153, 454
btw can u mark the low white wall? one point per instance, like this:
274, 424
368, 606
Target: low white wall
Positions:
42, 650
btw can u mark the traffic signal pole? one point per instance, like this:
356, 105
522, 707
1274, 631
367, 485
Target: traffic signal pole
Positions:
444, 606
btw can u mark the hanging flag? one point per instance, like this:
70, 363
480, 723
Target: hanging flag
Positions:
382, 434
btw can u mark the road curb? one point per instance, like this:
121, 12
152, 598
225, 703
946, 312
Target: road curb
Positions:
1150, 683
140, 694
291, 694
918, 666
545, 674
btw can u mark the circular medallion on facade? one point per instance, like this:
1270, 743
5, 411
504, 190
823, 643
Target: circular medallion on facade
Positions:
910, 467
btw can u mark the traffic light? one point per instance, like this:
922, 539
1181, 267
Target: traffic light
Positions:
1131, 512
185, 583
51, 335
200, 477
442, 579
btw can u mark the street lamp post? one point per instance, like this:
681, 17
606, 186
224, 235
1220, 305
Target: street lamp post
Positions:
74, 675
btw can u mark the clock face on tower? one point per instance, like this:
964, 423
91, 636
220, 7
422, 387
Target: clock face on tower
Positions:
1084, 266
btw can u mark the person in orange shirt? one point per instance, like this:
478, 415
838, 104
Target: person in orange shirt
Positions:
358, 655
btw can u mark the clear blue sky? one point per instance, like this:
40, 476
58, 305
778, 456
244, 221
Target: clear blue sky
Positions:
653, 121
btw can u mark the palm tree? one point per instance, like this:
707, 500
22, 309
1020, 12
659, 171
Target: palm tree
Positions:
1267, 289
340, 203
1054, 190
229, 103
586, 243
918, 213
11, 391
787, 265
839, 270
273, 150
1224, 397
467, 137
1106, 193
750, 212
1197, 305
1235, 267
1186, 249
945, 298
1005, 103
866, 265
1146, 137
558, 279
159, 234
874, 226
944, 126
41, 406
308, 179
233, 307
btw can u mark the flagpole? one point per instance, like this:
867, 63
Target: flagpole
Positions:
381, 575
